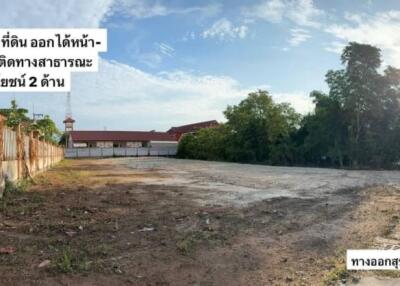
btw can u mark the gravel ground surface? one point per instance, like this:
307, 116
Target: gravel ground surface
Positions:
241, 184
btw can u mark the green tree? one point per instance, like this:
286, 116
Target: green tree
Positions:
260, 128
324, 142
257, 130
15, 115
206, 144
360, 95
47, 128
63, 139
18, 116
384, 131
356, 123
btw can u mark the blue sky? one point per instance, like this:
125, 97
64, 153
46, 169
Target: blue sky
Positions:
175, 62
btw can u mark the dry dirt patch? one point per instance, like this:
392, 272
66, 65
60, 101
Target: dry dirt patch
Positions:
101, 222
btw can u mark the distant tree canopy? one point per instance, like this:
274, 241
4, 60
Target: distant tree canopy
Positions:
257, 130
15, 115
47, 128
18, 116
356, 124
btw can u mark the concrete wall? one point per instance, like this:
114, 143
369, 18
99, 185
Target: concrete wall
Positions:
119, 152
23, 155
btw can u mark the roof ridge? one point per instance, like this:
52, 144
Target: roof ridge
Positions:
196, 123
114, 135
142, 131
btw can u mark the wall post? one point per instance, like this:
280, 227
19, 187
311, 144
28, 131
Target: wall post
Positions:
19, 150
35, 150
32, 155
2, 178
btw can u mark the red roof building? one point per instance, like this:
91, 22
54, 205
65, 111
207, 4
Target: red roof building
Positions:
106, 139
178, 131
131, 139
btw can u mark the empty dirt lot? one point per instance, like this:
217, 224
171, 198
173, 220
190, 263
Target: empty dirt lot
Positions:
174, 222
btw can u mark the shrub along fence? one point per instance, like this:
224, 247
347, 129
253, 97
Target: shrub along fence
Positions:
21, 155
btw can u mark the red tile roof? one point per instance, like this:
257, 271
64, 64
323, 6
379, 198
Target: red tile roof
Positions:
120, 136
192, 127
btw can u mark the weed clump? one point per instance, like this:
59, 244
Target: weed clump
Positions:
12, 189
16, 187
70, 262
338, 274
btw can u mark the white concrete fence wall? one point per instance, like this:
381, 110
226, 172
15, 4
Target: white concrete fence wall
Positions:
119, 152
22, 155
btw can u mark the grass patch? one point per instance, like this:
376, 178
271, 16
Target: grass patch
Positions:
16, 187
101, 250
71, 262
12, 190
337, 273
37, 198
62, 174
63, 163
64, 263
188, 244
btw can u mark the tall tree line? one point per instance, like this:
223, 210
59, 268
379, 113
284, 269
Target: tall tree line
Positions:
355, 124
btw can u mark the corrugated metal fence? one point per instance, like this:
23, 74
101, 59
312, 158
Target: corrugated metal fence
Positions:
24, 155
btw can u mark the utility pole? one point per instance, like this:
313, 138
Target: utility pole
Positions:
36, 116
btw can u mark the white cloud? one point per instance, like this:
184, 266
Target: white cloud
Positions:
298, 36
126, 97
352, 17
335, 47
304, 13
300, 101
150, 8
224, 29
86, 13
155, 56
121, 96
189, 36
381, 29
53, 14
141, 8
150, 59
300, 12
271, 10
